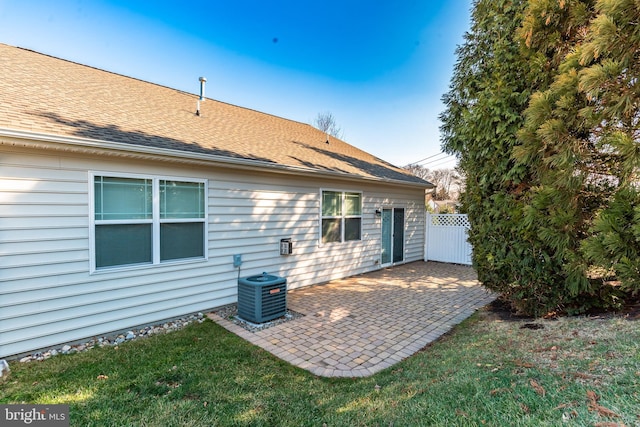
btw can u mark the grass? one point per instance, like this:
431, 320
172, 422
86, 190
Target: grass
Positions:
573, 372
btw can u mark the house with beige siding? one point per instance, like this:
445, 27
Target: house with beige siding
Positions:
123, 203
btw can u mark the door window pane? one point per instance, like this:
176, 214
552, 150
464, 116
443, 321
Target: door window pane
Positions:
398, 235
122, 244
122, 198
386, 236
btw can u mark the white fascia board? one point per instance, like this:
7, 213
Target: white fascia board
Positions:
133, 150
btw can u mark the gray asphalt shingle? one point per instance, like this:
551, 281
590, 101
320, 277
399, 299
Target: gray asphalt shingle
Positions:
44, 94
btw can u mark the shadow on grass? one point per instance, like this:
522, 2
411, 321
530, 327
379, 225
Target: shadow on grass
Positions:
206, 376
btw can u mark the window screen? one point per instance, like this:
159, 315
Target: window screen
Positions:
130, 214
341, 216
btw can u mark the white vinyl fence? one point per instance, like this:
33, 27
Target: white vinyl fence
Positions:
446, 239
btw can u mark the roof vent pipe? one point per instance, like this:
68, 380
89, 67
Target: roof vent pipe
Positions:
203, 80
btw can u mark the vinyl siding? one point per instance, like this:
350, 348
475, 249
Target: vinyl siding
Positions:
49, 297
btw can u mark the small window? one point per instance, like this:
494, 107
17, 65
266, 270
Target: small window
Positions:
341, 216
147, 220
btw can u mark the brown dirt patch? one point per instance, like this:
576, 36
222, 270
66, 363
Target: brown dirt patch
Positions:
502, 310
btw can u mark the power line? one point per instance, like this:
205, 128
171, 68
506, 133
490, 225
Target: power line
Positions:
426, 158
440, 160
442, 163
437, 160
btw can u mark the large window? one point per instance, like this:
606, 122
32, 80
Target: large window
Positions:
146, 220
341, 216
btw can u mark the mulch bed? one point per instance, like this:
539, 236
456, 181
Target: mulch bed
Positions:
502, 310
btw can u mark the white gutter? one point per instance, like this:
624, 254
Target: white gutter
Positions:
31, 139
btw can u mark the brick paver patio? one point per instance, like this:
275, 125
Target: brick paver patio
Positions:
358, 326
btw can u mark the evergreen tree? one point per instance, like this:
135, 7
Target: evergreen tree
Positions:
558, 145
543, 114
583, 135
610, 61
491, 85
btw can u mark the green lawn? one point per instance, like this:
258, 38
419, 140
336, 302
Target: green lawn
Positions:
487, 372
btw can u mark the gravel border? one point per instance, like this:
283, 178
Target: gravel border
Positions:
113, 340
230, 313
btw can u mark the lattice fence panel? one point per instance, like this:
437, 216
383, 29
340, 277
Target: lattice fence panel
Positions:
446, 239
450, 220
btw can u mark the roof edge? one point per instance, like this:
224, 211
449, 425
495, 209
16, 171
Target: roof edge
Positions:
31, 139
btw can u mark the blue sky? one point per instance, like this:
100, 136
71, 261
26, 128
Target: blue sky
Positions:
380, 67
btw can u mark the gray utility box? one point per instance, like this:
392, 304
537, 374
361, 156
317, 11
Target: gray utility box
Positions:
262, 297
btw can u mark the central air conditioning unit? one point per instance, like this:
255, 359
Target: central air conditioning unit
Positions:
262, 298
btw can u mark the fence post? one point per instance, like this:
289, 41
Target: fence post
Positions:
426, 234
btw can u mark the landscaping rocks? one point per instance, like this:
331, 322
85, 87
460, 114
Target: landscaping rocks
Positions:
115, 340
230, 312
4, 368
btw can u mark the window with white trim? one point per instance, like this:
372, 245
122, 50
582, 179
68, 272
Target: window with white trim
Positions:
341, 216
146, 220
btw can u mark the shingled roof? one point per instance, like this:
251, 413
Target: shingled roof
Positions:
41, 94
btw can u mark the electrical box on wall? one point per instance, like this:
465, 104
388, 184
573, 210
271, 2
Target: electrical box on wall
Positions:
237, 260
286, 247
